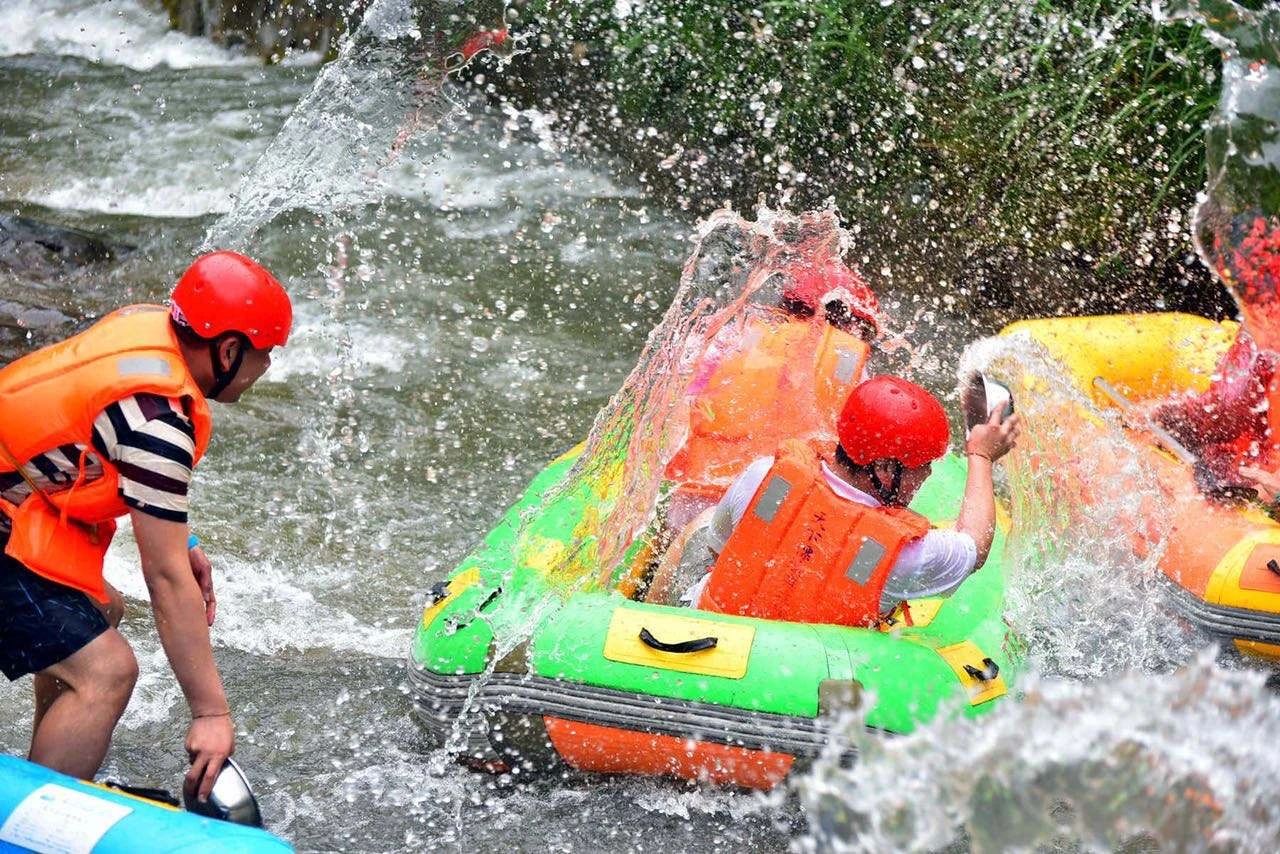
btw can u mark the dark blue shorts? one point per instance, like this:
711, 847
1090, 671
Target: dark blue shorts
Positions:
41, 622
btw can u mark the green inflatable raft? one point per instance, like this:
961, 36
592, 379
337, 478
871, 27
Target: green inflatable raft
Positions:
530, 658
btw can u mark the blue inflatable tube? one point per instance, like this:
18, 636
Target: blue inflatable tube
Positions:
42, 810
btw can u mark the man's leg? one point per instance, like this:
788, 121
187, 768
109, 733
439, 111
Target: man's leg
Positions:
74, 732
47, 687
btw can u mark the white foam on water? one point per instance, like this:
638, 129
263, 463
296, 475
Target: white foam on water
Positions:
1180, 761
145, 162
468, 180
265, 609
318, 349
157, 696
662, 798
113, 32
122, 195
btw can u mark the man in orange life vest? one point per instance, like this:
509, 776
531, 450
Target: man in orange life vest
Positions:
107, 423
829, 540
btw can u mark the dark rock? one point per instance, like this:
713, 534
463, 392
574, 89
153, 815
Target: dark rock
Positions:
17, 315
31, 246
268, 27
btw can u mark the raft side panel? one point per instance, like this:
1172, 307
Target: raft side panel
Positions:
40, 808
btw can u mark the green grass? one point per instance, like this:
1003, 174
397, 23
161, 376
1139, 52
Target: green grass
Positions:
1049, 129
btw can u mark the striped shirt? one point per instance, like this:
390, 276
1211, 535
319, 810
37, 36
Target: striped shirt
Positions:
150, 441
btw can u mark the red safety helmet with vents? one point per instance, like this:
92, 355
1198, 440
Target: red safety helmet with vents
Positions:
891, 418
818, 286
227, 292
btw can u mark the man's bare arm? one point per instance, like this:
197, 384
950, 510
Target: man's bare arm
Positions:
181, 622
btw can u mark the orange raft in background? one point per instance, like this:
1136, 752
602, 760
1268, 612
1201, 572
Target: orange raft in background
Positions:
1221, 560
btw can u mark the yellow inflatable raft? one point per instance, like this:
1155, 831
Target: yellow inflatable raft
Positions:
1221, 561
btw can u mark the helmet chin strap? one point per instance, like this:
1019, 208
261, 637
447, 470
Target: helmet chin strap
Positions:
888, 494
221, 378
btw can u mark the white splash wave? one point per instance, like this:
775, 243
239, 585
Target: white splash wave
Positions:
112, 32
122, 195
1181, 761
263, 609
318, 349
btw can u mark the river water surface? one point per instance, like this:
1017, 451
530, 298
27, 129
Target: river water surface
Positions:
453, 334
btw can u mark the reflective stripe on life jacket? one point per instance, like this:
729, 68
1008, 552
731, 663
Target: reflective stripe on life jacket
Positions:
50, 398
803, 553
783, 380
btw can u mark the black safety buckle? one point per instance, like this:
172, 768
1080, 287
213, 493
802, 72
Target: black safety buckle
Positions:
990, 670
437, 592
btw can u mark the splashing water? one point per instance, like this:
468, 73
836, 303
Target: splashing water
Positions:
1079, 492
1237, 223
1184, 762
378, 101
733, 273
1112, 745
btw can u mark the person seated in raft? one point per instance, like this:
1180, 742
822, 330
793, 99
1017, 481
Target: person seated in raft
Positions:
1233, 427
828, 538
783, 375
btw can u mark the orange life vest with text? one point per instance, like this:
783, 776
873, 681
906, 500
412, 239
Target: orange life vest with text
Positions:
49, 399
805, 554
785, 379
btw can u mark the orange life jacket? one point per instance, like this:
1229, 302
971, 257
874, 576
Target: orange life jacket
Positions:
1269, 448
49, 399
803, 553
785, 380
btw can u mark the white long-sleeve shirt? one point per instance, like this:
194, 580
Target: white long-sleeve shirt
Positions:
933, 565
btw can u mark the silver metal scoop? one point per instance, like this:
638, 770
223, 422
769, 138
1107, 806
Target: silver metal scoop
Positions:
979, 396
231, 799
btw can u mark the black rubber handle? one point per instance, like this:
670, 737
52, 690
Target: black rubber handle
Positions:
694, 645
990, 670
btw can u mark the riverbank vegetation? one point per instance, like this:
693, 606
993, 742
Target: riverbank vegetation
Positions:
1023, 147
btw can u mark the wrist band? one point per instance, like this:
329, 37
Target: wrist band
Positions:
225, 714
192, 542
978, 454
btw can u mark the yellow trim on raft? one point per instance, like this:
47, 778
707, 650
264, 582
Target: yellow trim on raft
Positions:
1224, 585
967, 652
576, 449
923, 612
461, 581
113, 790
1144, 356
1258, 649
728, 658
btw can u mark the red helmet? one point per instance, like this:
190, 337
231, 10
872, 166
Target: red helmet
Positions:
890, 418
226, 292
818, 286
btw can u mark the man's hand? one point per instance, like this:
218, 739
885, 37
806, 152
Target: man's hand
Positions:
203, 571
210, 740
987, 443
181, 612
1266, 482
995, 438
